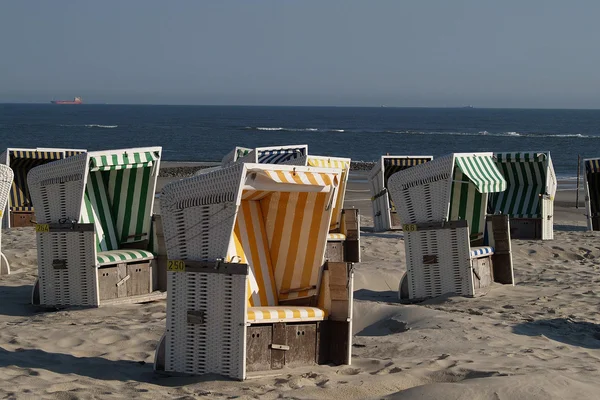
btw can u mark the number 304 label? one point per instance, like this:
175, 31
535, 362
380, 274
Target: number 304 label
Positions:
176, 265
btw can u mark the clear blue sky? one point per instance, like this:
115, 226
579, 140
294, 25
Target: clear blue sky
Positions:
510, 53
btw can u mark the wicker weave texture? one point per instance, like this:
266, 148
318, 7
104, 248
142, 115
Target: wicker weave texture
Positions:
448, 267
6, 179
76, 284
422, 193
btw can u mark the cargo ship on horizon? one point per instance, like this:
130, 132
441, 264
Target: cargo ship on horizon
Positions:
76, 100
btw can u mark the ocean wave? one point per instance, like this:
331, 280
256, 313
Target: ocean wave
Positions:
101, 126
501, 134
283, 129
91, 126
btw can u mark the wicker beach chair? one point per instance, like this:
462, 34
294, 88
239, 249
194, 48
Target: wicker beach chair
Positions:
248, 288
6, 181
449, 246
19, 210
529, 196
591, 182
94, 233
385, 217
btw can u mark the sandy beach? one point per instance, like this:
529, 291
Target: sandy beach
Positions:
537, 340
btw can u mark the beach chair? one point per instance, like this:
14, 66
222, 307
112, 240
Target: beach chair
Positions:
234, 154
450, 248
271, 154
529, 196
385, 217
94, 232
591, 181
248, 288
6, 181
19, 210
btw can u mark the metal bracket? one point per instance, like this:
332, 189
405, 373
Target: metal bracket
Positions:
195, 316
280, 347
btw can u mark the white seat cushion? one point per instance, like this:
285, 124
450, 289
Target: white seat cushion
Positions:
120, 256
336, 236
481, 251
258, 315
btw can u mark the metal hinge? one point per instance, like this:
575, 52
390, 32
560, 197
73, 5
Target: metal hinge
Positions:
280, 347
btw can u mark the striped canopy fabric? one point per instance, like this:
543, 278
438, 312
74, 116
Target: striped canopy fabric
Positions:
344, 165
592, 171
592, 166
526, 175
21, 162
118, 198
482, 171
279, 155
471, 181
280, 231
122, 161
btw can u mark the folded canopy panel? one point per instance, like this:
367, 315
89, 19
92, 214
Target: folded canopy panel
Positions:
592, 166
482, 171
527, 179
278, 155
344, 165
122, 161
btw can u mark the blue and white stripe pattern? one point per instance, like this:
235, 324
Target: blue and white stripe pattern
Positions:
278, 156
481, 251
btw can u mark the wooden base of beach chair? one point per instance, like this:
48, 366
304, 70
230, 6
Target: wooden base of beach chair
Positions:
125, 280
335, 250
596, 223
526, 228
22, 218
483, 274
143, 298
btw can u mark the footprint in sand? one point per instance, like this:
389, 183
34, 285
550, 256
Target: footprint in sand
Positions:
69, 342
110, 339
349, 371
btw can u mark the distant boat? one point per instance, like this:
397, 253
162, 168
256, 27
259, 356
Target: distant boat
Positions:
76, 100
468, 106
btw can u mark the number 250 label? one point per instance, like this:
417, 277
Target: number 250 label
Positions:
176, 265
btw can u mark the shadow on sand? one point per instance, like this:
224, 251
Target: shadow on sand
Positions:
16, 301
565, 330
95, 367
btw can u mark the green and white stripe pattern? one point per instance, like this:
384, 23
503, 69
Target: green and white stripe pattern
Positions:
122, 161
118, 201
526, 174
472, 180
119, 256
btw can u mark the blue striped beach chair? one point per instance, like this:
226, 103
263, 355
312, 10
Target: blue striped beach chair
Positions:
248, 288
19, 210
385, 217
94, 232
591, 182
6, 181
451, 247
529, 196
267, 155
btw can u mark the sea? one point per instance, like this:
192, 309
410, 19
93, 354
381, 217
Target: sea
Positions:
207, 133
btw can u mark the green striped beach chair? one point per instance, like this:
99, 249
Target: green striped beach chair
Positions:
6, 180
451, 247
529, 196
19, 210
591, 181
94, 232
385, 217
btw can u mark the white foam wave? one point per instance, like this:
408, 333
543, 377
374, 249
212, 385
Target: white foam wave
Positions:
101, 126
512, 134
337, 130
262, 128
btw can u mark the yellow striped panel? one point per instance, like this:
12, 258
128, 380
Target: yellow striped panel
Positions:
344, 165
284, 314
303, 178
297, 225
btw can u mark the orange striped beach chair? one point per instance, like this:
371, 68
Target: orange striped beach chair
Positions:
248, 286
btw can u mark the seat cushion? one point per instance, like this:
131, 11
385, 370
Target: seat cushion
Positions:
258, 315
125, 255
482, 251
336, 236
